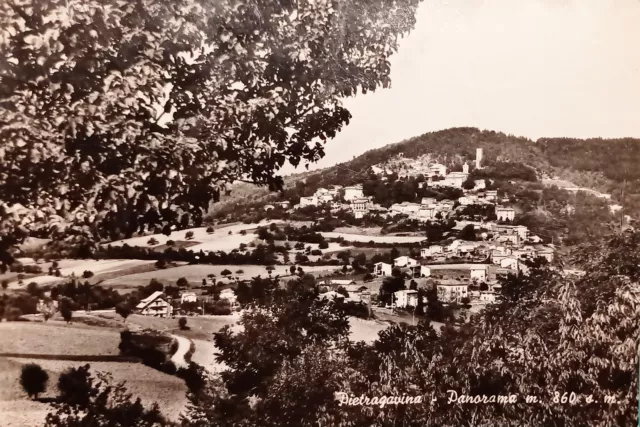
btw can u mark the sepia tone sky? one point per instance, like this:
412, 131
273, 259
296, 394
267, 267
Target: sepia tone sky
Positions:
533, 68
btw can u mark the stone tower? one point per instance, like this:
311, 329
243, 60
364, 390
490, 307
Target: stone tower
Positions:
478, 158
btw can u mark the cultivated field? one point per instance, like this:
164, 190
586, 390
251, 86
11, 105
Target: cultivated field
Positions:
219, 240
376, 239
55, 337
196, 272
200, 327
16, 410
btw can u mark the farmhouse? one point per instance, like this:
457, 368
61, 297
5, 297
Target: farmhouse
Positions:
404, 261
155, 305
382, 269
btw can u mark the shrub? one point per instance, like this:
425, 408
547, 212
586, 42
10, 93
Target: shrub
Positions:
33, 289
161, 264
210, 230
323, 245
32, 269
33, 380
188, 235
182, 322
87, 274
242, 232
316, 252
225, 272
75, 386
5, 284
182, 282
13, 314
170, 243
368, 277
123, 310
152, 241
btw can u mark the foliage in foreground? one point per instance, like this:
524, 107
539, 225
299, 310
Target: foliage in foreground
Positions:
550, 335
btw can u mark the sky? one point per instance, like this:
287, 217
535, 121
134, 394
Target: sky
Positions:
533, 68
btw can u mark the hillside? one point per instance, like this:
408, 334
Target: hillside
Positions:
600, 164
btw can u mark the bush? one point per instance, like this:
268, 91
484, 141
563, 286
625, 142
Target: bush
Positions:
182, 322
152, 241
5, 284
170, 243
13, 314
242, 232
342, 291
323, 245
123, 310
87, 274
161, 264
182, 282
33, 289
368, 277
33, 379
240, 271
32, 269
210, 230
225, 272
188, 235
316, 252
75, 386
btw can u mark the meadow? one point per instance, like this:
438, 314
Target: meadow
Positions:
348, 237
196, 272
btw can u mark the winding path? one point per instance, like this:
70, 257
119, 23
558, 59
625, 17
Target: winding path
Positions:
184, 344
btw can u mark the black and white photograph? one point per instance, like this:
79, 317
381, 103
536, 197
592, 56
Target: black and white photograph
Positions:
319, 213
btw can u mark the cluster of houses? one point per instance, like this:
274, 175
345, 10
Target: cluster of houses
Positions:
159, 305
485, 261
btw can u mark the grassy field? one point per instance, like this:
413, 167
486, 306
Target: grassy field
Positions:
365, 330
376, 239
219, 240
201, 327
55, 337
17, 410
195, 273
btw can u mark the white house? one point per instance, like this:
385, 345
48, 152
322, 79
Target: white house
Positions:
428, 201
229, 295
452, 292
351, 193
382, 269
479, 184
188, 297
155, 305
511, 263
504, 213
426, 213
425, 271
478, 272
438, 169
467, 200
405, 298
405, 261
308, 201
431, 250
405, 208
360, 207
491, 195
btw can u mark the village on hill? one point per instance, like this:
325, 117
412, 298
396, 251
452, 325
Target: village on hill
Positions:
414, 240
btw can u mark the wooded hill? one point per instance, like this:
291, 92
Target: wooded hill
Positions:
606, 165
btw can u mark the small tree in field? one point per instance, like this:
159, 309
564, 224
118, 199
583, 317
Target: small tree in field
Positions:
189, 235
5, 284
123, 310
152, 241
74, 386
210, 230
33, 380
182, 322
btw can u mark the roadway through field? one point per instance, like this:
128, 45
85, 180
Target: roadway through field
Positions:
183, 348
